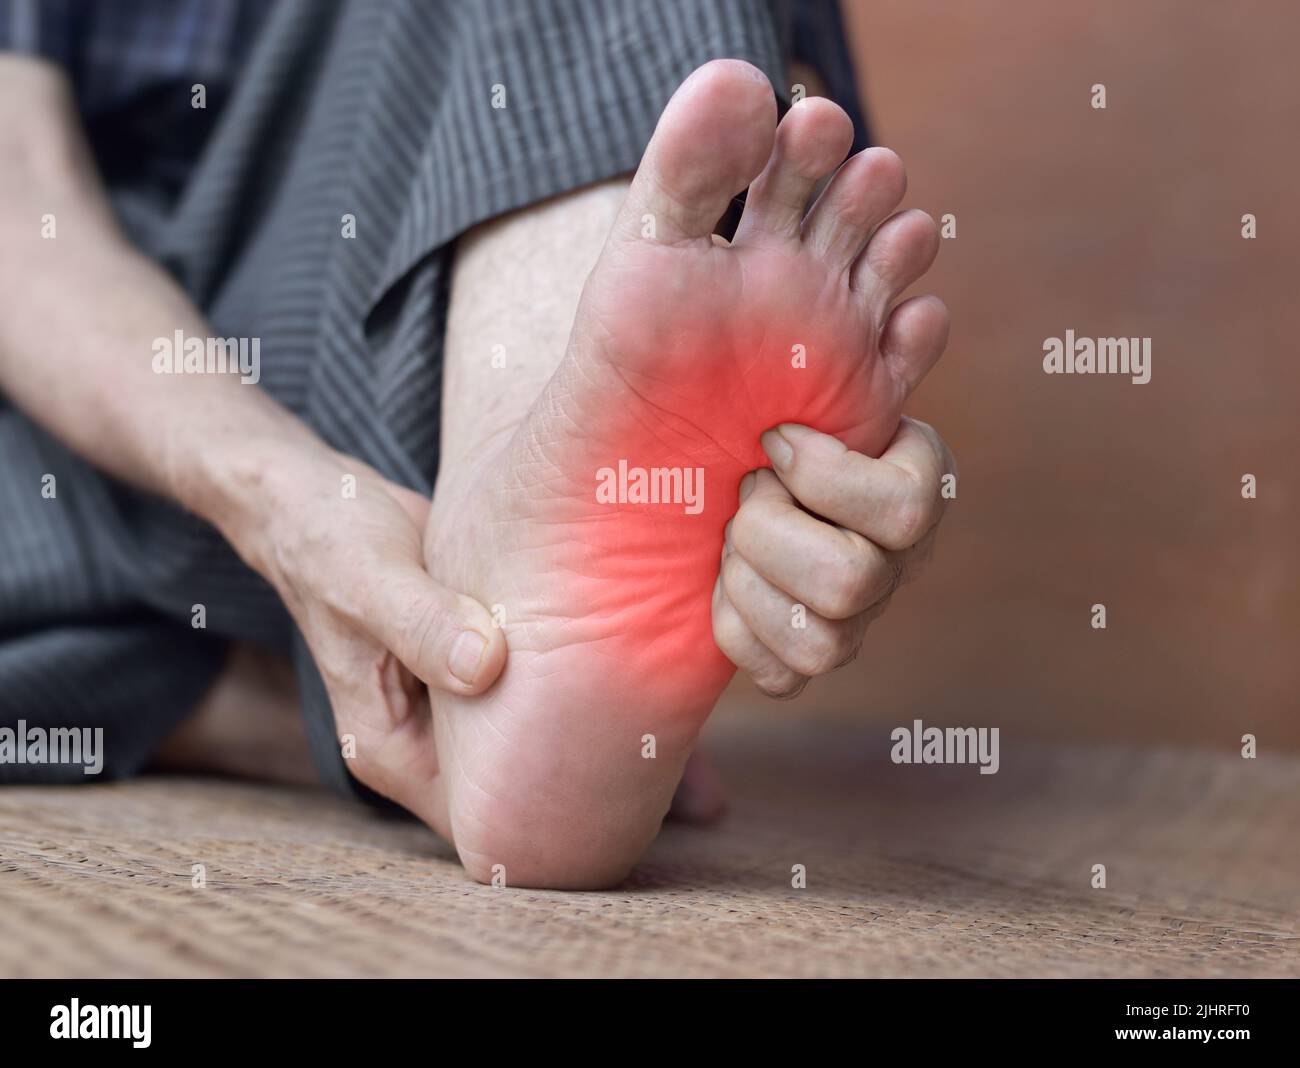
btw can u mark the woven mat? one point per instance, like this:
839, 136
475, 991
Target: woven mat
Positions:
911, 871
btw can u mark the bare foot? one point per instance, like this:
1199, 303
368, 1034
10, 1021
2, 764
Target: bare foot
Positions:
598, 528
247, 725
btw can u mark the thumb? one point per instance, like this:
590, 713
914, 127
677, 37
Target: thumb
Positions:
445, 639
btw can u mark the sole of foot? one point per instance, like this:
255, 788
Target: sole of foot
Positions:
595, 533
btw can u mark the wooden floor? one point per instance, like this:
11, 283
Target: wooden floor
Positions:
911, 871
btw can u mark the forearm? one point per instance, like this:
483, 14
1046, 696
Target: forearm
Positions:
83, 309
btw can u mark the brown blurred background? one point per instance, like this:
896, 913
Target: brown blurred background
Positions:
1077, 490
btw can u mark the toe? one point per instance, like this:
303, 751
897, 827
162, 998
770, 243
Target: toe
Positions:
914, 339
811, 141
896, 256
712, 140
863, 192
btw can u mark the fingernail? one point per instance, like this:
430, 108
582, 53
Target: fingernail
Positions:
777, 448
467, 655
747, 485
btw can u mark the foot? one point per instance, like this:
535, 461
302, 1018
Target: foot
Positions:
684, 351
247, 725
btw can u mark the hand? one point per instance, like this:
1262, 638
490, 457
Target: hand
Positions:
823, 542
349, 568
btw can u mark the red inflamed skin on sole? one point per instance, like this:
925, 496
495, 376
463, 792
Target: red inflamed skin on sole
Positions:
679, 415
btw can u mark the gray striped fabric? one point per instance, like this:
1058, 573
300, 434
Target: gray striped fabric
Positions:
381, 110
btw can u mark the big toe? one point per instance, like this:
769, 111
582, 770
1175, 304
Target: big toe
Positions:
712, 140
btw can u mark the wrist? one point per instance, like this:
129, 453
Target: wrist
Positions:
241, 479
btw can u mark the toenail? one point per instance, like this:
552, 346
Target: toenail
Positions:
778, 449
466, 655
